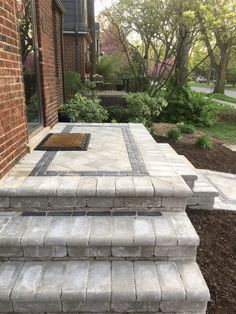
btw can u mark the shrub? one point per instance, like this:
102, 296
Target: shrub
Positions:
143, 108
72, 84
189, 106
187, 128
174, 135
83, 109
118, 113
204, 142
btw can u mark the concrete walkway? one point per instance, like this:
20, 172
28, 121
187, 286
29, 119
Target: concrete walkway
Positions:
226, 103
231, 92
225, 183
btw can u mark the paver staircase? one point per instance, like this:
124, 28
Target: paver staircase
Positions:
99, 245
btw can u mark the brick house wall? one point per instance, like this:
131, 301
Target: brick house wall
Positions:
13, 119
51, 78
79, 37
13, 126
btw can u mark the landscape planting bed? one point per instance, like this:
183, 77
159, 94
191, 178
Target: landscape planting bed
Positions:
216, 257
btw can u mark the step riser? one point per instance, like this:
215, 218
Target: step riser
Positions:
56, 203
103, 253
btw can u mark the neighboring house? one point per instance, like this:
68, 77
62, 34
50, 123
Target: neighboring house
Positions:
79, 37
31, 73
97, 41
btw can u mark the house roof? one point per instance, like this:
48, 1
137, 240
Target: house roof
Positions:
74, 19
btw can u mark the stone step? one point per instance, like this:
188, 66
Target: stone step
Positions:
204, 194
146, 193
165, 237
102, 286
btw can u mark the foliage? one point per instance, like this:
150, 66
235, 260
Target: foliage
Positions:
204, 142
111, 67
25, 29
118, 113
83, 109
231, 75
186, 128
72, 84
142, 108
174, 135
217, 20
188, 106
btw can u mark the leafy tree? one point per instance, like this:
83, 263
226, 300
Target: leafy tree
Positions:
217, 20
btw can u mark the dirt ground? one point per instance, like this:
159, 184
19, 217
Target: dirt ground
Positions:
219, 158
217, 257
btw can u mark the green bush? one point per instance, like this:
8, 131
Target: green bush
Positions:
186, 128
187, 105
174, 135
143, 108
72, 84
118, 113
204, 142
83, 109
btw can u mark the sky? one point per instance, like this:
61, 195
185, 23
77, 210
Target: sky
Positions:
101, 4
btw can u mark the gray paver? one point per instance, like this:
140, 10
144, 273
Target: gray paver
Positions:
36, 230
9, 272
106, 187
165, 234
24, 290
87, 187
48, 292
101, 231
123, 287
143, 232
80, 231
125, 187
147, 283
122, 231
58, 231
99, 286
194, 283
172, 288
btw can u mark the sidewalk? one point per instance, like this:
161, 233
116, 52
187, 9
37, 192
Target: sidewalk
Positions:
225, 183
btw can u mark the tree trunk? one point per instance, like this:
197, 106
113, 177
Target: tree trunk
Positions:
221, 71
182, 58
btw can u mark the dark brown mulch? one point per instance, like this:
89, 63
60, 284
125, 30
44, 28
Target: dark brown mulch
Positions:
219, 158
217, 257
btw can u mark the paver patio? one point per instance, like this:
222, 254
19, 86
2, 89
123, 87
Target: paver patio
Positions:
103, 230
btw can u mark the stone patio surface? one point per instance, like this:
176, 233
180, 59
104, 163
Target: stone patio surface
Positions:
123, 160
225, 184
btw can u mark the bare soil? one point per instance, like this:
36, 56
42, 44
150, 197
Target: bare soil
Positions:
217, 257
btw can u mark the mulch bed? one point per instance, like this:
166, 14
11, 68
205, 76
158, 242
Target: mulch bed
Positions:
219, 158
217, 257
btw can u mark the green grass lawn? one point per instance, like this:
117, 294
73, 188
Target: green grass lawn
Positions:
225, 128
224, 97
222, 131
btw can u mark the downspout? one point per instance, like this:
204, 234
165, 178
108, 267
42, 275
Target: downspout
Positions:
77, 35
63, 56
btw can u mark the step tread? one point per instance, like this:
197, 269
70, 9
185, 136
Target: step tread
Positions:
101, 286
166, 230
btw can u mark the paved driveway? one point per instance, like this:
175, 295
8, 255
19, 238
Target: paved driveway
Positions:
228, 92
